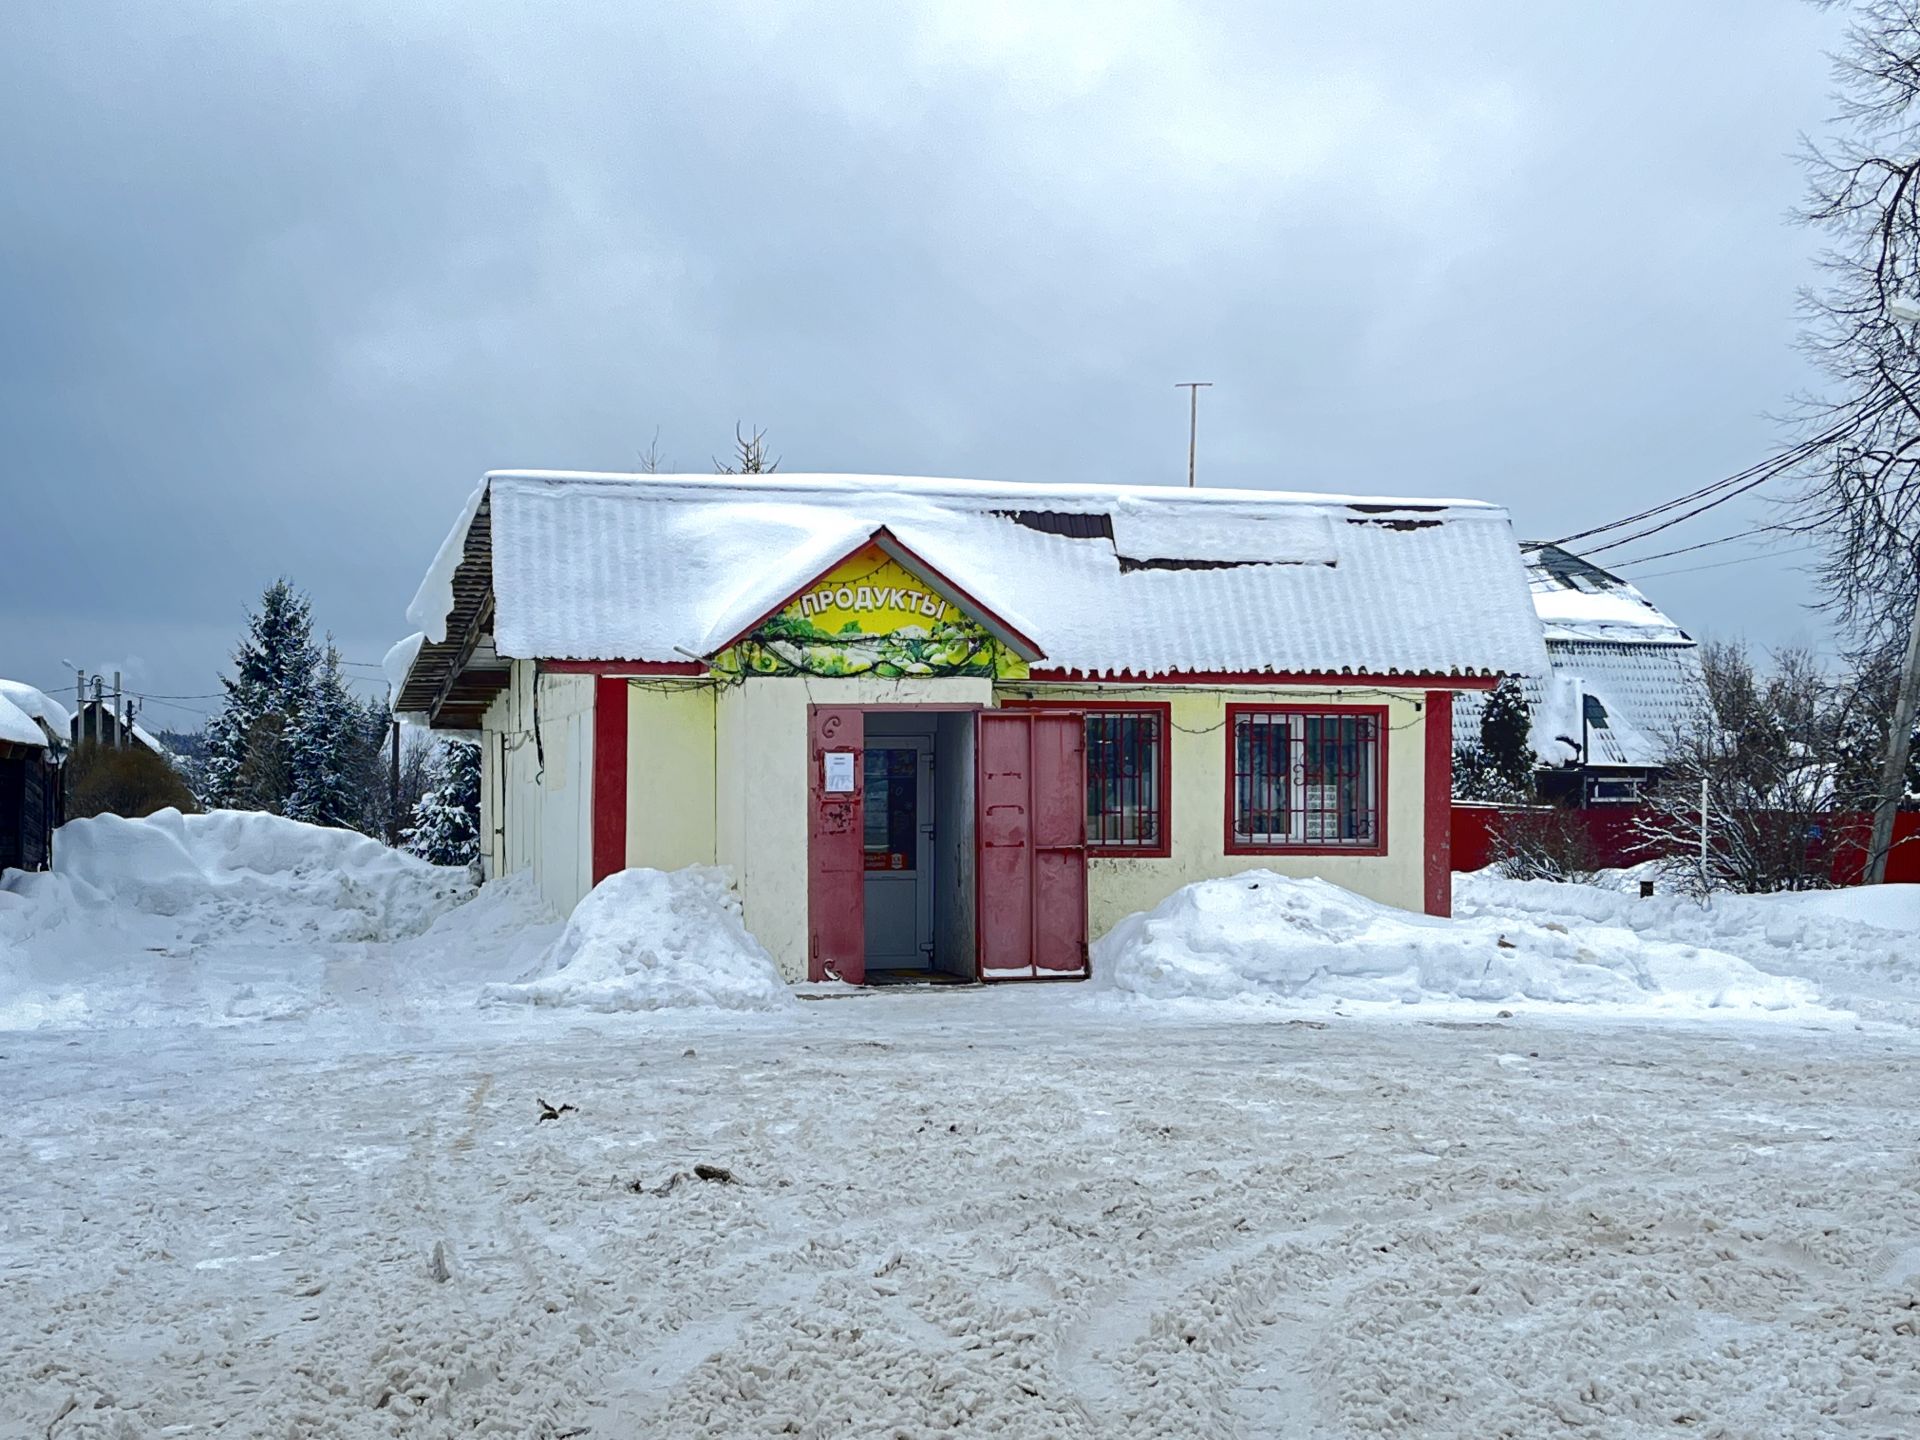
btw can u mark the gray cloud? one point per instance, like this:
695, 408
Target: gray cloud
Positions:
279, 283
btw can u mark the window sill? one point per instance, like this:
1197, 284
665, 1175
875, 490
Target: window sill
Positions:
1357, 852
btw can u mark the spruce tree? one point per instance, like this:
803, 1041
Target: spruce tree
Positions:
446, 823
1506, 729
248, 765
1473, 778
370, 773
326, 751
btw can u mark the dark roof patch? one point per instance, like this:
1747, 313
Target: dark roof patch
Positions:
1073, 525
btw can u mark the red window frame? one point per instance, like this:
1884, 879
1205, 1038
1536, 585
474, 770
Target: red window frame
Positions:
1235, 845
1162, 710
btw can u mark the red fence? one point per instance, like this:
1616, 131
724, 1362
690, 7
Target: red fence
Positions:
1611, 831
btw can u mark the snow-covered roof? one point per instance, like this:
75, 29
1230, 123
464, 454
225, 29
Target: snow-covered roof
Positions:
31, 717
1605, 639
105, 719
1577, 600
1104, 579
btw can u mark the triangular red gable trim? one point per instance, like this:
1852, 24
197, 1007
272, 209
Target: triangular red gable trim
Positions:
890, 544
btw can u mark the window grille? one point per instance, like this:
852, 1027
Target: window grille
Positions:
1306, 779
1126, 775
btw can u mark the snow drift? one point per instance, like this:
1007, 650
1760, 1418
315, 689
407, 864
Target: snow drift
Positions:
655, 940
1262, 937
232, 871
1860, 946
209, 918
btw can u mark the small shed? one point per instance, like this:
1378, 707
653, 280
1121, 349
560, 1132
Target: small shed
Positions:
33, 730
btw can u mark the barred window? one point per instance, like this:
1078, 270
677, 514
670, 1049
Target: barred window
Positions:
1306, 779
1126, 779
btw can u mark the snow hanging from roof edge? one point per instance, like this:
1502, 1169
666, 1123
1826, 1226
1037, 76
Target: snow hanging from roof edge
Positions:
433, 601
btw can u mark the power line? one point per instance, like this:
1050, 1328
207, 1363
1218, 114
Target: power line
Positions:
1703, 545
1726, 488
1722, 564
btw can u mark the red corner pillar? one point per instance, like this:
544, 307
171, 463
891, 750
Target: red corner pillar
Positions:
609, 776
1439, 802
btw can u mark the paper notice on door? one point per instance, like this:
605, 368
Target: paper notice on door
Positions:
840, 779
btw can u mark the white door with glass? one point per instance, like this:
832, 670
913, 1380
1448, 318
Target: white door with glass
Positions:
899, 852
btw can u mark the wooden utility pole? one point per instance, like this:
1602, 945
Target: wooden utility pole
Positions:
1893, 773
393, 789
1193, 389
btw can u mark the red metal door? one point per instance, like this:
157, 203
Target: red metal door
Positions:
1032, 844
836, 850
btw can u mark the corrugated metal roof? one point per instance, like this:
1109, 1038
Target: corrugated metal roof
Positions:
1650, 692
589, 567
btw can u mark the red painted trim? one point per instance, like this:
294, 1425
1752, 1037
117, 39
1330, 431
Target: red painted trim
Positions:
609, 776
1262, 677
1164, 708
1234, 846
1439, 802
911, 559
638, 669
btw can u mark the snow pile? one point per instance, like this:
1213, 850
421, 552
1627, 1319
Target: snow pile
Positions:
209, 918
232, 870
503, 931
1262, 937
1860, 947
655, 940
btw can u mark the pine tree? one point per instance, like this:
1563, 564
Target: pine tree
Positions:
247, 741
446, 823
1506, 726
326, 749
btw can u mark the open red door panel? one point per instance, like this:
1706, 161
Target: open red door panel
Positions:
1032, 862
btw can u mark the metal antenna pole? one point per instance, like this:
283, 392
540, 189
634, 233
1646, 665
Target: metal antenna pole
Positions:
1193, 389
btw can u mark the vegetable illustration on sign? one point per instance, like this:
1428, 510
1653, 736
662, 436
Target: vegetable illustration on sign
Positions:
869, 615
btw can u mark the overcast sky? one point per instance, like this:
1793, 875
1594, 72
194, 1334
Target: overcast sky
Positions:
278, 282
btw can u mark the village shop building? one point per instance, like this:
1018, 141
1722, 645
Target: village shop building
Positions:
945, 728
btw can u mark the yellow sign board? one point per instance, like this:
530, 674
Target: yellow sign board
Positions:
870, 615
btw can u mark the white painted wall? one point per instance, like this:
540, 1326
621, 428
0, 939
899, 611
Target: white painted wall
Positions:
536, 810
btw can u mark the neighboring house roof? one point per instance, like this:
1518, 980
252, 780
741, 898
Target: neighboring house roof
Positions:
1104, 580
1606, 639
136, 729
31, 717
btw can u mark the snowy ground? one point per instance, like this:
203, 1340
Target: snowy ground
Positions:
978, 1213
1032, 1211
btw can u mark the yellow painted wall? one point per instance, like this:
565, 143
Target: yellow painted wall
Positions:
762, 786
670, 773
1116, 887
719, 775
